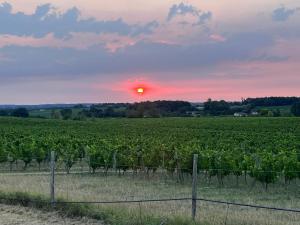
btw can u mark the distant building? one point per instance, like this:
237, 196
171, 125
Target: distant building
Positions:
254, 113
240, 114
193, 113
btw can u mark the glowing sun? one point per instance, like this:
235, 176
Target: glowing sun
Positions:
140, 90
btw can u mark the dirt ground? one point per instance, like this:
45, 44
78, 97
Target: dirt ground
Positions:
17, 215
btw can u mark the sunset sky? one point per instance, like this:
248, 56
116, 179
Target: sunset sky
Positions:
54, 51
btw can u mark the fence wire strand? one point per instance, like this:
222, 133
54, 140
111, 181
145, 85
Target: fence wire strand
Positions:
160, 200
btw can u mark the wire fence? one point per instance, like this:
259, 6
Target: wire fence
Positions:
83, 166
163, 200
81, 186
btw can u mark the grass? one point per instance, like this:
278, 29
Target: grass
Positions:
109, 215
86, 187
16, 214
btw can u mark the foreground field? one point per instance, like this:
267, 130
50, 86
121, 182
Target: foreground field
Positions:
17, 215
98, 187
244, 160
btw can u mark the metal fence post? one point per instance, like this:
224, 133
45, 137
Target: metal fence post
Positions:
52, 178
194, 188
115, 162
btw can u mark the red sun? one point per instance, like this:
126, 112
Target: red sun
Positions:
140, 89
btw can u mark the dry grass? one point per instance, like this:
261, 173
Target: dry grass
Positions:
106, 188
17, 215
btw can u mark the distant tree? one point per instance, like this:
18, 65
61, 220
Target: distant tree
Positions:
159, 108
248, 108
133, 113
4, 113
263, 112
153, 112
95, 111
66, 113
109, 112
270, 114
78, 106
81, 116
295, 109
276, 113
20, 112
217, 108
272, 101
55, 114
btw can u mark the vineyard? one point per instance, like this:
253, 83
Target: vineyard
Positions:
136, 160
265, 149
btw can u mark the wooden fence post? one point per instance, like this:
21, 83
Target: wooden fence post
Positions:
52, 178
194, 188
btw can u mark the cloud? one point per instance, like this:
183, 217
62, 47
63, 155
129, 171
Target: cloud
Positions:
282, 14
185, 9
217, 37
142, 57
45, 21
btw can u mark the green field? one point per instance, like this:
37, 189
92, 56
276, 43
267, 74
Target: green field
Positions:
247, 160
47, 113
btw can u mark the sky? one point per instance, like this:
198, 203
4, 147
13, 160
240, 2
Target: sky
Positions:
101, 51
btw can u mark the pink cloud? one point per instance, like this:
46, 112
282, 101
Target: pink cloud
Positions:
217, 37
111, 42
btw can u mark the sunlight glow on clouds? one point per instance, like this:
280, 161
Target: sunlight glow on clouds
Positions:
88, 50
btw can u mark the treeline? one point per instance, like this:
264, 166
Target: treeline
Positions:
139, 110
223, 108
159, 109
271, 101
105, 110
174, 109
268, 106
254, 107
18, 112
